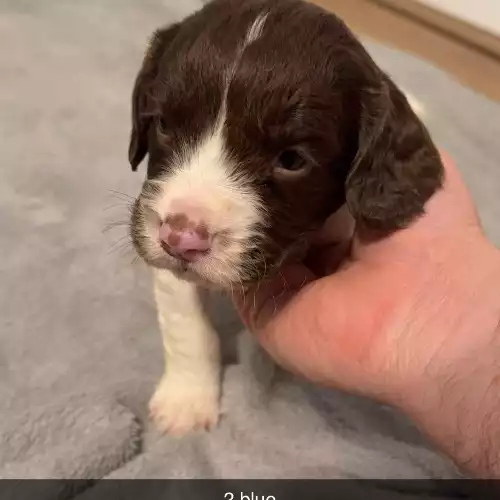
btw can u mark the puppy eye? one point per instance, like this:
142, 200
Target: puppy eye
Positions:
291, 161
291, 164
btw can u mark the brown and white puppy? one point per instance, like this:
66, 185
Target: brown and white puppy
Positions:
260, 119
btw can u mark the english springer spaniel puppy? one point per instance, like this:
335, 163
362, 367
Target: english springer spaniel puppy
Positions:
260, 119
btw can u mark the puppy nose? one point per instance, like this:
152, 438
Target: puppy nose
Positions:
184, 239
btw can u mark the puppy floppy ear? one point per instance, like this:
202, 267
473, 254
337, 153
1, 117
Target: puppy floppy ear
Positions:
142, 94
397, 168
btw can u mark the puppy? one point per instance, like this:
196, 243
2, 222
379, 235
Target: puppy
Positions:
260, 119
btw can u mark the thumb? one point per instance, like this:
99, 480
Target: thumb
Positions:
320, 328
285, 315
260, 302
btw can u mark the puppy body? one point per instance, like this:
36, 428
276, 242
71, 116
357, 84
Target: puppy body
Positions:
260, 120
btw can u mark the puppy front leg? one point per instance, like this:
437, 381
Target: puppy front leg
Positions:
187, 397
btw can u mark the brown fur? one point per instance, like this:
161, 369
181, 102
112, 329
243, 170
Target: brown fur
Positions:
306, 85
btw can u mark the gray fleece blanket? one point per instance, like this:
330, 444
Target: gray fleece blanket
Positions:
80, 350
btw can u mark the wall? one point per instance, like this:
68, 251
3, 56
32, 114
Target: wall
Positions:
482, 13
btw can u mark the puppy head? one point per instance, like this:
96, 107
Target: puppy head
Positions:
259, 120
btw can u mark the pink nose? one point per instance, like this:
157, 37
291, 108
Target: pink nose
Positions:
184, 239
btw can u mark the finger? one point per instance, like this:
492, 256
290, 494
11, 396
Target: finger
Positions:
318, 322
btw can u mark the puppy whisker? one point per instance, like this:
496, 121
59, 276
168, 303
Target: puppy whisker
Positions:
120, 248
114, 225
120, 240
121, 205
122, 196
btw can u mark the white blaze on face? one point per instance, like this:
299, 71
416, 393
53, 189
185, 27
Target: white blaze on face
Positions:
256, 29
204, 184
206, 187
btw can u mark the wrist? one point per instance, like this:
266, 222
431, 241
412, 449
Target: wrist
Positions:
460, 413
456, 399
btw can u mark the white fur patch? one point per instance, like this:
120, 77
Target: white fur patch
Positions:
256, 29
254, 33
204, 185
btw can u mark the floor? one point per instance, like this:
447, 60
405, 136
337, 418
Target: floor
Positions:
477, 70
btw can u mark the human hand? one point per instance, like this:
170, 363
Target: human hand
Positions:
396, 310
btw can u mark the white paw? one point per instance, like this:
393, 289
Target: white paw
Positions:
182, 406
